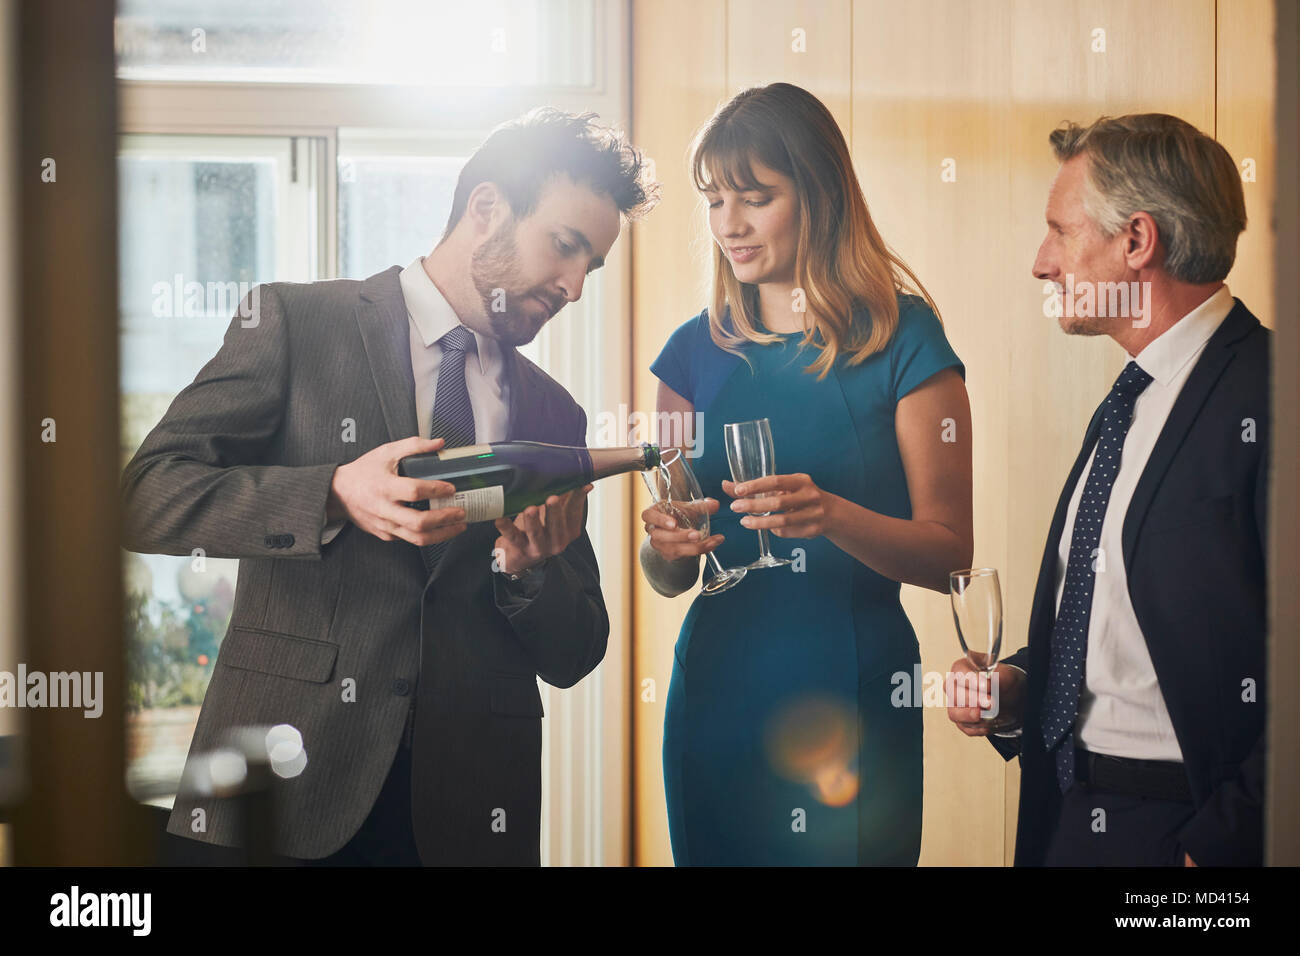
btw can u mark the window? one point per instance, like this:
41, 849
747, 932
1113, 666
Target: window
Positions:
380, 42
392, 205
202, 220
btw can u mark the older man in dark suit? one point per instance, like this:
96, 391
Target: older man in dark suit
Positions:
1142, 685
402, 645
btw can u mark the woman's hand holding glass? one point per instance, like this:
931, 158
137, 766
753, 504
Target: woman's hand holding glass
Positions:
789, 506
679, 519
675, 539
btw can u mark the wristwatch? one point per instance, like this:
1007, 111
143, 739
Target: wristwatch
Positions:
527, 572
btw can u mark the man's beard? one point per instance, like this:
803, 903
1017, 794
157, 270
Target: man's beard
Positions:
1090, 325
1076, 324
493, 266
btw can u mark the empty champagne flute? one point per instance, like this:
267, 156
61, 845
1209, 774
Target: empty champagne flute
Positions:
677, 494
977, 612
751, 455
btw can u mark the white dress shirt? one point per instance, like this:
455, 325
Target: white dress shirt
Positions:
1121, 709
431, 317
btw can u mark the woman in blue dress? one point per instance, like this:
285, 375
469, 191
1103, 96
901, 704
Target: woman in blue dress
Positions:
783, 743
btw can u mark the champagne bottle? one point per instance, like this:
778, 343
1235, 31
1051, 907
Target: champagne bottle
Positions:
503, 478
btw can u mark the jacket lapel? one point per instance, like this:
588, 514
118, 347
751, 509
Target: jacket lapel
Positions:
529, 419
385, 331
1219, 351
386, 334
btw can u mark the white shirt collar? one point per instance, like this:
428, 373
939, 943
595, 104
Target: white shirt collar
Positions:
432, 313
1166, 356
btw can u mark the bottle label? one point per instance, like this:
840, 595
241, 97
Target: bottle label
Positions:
465, 451
480, 504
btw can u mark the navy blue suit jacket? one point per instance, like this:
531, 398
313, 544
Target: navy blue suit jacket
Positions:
1194, 542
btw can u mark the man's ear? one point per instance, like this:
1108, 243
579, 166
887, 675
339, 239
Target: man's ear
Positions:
1141, 241
486, 208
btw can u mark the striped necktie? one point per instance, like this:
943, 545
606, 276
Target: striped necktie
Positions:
1070, 633
453, 416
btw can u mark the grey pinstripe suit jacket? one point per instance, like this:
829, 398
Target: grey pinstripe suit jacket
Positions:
240, 466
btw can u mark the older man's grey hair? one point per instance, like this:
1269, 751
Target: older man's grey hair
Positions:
1166, 167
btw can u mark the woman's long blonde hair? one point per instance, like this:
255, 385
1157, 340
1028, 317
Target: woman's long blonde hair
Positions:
841, 263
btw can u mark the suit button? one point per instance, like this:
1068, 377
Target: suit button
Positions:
401, 687
269, 541
287, 539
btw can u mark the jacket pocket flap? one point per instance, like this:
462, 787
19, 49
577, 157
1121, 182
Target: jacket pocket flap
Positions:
515, 697
284, 655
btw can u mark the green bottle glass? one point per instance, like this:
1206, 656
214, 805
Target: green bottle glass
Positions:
501, 479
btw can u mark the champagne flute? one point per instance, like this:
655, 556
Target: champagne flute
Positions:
977, 612
677, 494
751, 455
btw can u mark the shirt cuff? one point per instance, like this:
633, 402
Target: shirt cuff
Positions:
329, 532
1019, 730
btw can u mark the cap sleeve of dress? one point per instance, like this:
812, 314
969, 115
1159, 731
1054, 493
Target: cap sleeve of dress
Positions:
675, 366
919, 348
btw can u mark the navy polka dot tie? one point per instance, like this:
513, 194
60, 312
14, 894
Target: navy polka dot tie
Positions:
1070, 634
453, 416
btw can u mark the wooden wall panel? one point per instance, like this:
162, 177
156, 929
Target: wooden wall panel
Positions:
678, 80
804, 42
1245, 96
933, 106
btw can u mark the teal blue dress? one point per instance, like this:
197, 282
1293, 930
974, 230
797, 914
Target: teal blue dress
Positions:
781, 742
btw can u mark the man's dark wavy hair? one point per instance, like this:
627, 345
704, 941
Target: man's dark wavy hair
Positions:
522, 155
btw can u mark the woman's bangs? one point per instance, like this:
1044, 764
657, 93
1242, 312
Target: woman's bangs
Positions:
722, 161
